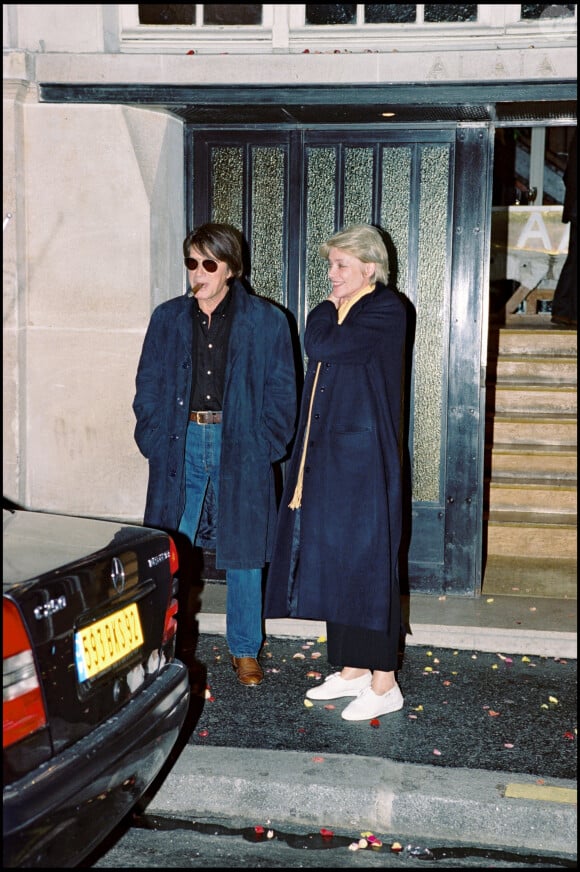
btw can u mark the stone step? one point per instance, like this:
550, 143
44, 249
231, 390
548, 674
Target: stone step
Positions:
534, 460
538, 495
538, 429
530, 576
512, 396
552, 340
531, 534
548, 368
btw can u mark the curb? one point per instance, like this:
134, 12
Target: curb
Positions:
290, 789
541, 643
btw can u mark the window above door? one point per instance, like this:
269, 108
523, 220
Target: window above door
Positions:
336, 27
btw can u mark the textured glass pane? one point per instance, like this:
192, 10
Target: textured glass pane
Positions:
227, 186
232, 13
267, 255
534, 11
396, 198
172, 14
320, 208
358, 185
390, 13
442, 12
331, 13
431, 320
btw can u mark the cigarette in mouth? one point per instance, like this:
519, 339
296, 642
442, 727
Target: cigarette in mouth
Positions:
195, 289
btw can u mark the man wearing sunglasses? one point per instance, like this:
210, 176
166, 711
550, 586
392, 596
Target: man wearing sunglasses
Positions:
216, 407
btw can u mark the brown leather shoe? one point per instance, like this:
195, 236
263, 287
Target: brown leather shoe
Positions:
247, 669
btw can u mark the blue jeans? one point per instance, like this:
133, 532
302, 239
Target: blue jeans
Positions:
244, 586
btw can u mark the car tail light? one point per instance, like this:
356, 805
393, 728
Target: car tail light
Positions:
23, 710
170, 628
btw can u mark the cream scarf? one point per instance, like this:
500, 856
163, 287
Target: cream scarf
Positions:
343, 311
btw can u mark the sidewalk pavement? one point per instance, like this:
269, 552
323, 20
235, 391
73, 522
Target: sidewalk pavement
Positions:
483, 752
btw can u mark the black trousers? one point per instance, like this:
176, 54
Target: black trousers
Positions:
362, 648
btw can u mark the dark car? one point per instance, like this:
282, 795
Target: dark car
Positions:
93, 696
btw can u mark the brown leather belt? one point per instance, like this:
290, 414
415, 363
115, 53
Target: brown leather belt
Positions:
206, 417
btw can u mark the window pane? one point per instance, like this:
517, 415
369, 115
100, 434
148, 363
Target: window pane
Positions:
390, 13
534, 11
232, 13
331, 13
173, 14
440, 12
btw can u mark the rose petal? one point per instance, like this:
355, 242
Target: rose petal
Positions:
308, 704
436, 752
326, 834
375, 723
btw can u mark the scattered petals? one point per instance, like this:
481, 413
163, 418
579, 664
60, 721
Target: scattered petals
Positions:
427, 669
326, 834
353, 845
203, 734
318, 759
298, 656
313, 675
321, 639
446, 683
507, 745
375, 723
396, 846
412, 717
501, 656
429, 653
207, 693
568, 735
362, 843
330, 707
544, 705
441, 598
436, 752
259, 830
489, 599
270, 834
493, 714
553, 699
494, 666
533, 609
418, 708
315, 655
525, 659
308, 703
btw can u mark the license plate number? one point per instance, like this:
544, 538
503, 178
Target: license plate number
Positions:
100, 645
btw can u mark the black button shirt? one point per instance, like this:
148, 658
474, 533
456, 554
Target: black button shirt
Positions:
210, 345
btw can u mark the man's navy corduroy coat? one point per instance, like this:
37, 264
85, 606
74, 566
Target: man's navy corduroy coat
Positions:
259, 416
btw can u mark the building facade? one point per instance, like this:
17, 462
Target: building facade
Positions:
126, 125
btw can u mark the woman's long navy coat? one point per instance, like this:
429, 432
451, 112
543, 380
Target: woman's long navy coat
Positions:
259, 416
348, 529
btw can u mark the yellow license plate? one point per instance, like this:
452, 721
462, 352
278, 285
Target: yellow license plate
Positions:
103, 643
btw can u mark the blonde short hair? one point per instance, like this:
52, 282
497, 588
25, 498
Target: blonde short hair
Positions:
363, 241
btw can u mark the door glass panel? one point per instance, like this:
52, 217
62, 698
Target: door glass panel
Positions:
395, 203
267, 246
431, 323
320, 212
358, 185
227, 179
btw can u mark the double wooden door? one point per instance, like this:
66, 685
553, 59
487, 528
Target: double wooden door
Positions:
429, 189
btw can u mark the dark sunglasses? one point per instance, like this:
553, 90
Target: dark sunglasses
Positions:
209, 266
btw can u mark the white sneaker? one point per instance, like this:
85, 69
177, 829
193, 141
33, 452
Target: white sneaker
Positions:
334, 686
369, 705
